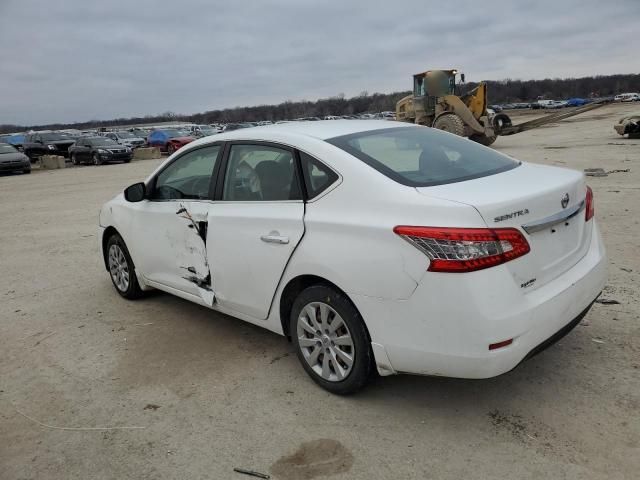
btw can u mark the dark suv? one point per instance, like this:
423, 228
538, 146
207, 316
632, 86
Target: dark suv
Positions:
46, 143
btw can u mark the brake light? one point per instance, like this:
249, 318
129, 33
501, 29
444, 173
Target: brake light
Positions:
589, 208
465, 249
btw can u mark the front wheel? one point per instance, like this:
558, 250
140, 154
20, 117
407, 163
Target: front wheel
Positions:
450, 122
331, 340
74, 159
96, 159
170, 149
121, 268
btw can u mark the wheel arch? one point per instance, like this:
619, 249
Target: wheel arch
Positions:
108, 233
295, 286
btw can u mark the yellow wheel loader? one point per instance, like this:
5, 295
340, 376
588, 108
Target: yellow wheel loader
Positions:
435, 103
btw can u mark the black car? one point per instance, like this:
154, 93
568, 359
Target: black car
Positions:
99, 150
46, 143
11, 160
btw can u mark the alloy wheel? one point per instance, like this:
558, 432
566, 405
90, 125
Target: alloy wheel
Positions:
325, 341
119, 268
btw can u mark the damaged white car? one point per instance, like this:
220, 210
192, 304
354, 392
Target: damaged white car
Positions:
373, 245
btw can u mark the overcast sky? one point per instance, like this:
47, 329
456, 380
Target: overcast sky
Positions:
76, 60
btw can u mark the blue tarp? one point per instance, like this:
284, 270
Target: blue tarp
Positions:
158, 137
15, 139
576, 102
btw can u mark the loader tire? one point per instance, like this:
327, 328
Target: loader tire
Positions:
450, 122
483, 139
500, 121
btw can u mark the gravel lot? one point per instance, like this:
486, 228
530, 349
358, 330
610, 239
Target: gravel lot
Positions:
211, 393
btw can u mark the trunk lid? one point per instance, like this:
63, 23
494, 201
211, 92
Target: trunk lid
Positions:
534, 199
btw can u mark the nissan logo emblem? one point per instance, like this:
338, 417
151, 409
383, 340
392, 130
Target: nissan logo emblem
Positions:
565, 200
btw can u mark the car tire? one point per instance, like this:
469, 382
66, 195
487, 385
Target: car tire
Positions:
127, 160
170, 149
96, 159
122, 270
26, 171
324, 347
74, 159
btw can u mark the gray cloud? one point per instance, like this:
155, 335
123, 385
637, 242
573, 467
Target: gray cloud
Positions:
74, 60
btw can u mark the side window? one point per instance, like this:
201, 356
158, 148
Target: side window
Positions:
317, 176
189, 177
260, 173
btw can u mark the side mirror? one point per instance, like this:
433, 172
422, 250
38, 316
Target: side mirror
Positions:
135, 193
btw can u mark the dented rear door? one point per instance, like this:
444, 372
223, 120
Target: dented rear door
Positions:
255, 225
249, 245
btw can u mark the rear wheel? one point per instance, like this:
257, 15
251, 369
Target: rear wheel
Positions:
450, 122
121, 268
74, 159
331, 340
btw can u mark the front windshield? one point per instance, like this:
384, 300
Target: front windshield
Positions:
54, 137
102, 141
7, 149
176, 133
126, 135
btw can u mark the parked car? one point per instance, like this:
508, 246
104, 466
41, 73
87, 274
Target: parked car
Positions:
236, 126
11, 160
496, 108
627, 97
37, 144
552, 104
169, 140
447, 258
99, 150
202, 131
126, 138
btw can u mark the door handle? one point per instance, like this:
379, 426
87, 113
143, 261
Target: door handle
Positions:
275, 238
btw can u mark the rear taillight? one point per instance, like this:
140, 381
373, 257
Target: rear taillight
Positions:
589, 208
465, 249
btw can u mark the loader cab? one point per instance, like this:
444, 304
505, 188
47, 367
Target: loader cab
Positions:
431, 85
434, 83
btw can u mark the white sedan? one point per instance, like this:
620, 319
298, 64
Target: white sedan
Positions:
373, 245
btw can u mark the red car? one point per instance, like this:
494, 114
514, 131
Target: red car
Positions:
169, 139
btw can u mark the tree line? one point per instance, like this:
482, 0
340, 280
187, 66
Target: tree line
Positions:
499, 91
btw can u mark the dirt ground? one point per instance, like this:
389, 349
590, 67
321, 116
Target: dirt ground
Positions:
191, 394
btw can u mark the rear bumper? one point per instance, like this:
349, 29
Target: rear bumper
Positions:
445, 328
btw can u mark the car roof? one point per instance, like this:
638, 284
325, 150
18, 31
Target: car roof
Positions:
321, 129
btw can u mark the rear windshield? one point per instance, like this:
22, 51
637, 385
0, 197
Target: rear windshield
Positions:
422, 157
